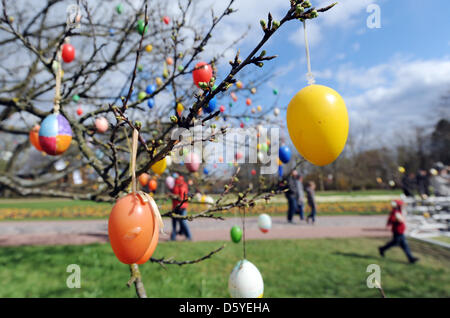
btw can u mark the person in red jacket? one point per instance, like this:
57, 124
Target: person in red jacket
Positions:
396, 221
179, 206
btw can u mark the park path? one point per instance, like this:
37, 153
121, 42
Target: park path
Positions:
74, 232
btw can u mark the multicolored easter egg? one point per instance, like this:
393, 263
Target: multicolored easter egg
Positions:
55, 134
245, 281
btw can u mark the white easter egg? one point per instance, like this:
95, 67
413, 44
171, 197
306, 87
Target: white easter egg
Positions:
245, 281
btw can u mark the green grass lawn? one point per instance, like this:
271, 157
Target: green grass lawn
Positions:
444, 239
290, 268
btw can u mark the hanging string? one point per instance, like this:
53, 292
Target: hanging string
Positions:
144, 196
243, 238
134, 147
309, 75
57, 99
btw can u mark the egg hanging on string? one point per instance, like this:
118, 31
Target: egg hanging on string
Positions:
68, 53
264, 222
245, 281
317, 122
236, 234
55, 134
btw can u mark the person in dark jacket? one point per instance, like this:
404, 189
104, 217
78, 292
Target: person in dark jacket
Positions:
310, 196
423, 183
180, 194
291, 195
396, 221
409, 184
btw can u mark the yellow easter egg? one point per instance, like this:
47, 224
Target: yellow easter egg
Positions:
159, 81
317, 121
148, 48
159, 167
180, 108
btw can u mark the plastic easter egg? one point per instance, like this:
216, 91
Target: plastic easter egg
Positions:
140, 27
202, 73
392, 183
220, 159
264, 223
239, 155
317, 122
280, 171
152, 185
276, 111
170, 182
158, 81
275, 92
248, 101
264, 147
242, 125
236, 234
119, 8
150, 103
285, 154
401, 169
148, 48
166, 20
245, 281
159, 167
34, 137
142, 95
155, 236
239, 84
68, 53
205, 171
180, 108
253, 90
111, 32
79, 111
55, 134
192, 162
101, 124
234, 97
150, 89
143, 179
222, 108
211, 105
253, 172
168, 161
260, 156
169, 61
253, 110
75, 98
259, 108
130, 228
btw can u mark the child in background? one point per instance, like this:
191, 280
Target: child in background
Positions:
311, 201
397, 221
179, 194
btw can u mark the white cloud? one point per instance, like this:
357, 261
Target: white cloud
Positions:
395, 96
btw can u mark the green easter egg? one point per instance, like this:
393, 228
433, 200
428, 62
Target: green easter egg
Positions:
236, 234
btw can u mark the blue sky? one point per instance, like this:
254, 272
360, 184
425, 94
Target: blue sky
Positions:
391, 77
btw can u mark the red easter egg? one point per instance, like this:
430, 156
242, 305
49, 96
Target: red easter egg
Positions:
68, 53
131, 228
34, 137
169, 60
143, 179
79, 111
202, 73
248, 101
253, 172
242, 125
152, 185
222, 108
166, 20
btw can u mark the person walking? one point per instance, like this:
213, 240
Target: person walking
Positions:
396, 221
423, 183
310, 195
179, 206
408, 184
300, 196
291, 195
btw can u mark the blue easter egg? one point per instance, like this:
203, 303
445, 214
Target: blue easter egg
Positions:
285, 154
150, 102
211, 105
150, 89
